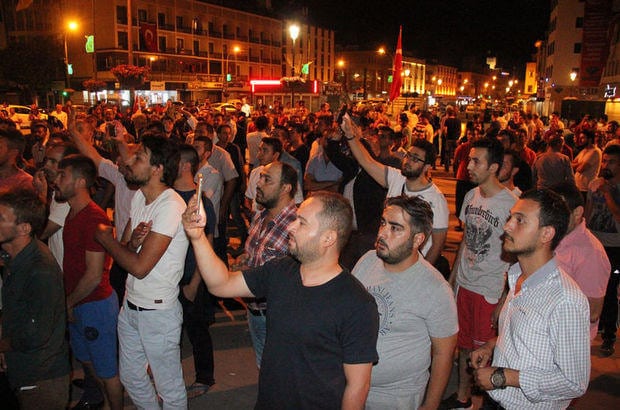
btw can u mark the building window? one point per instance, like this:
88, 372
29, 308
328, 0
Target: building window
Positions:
123, 42
179, 21
180, 45
161, 19
579, 22
121, 14
577, 48
196, 47
162, 44
141, 15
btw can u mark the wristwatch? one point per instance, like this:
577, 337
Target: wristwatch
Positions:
498, 379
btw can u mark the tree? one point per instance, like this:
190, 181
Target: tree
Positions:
32, 65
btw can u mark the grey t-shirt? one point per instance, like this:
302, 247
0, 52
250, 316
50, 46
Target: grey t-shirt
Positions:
480, 266
414, 305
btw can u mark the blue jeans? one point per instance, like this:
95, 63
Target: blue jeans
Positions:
151, 338
258, 332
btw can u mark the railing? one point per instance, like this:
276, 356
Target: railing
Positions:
254, 59
184, 29
265, 41
215, 34
229, 36
216, 55
168, 27
254, 40
275, 43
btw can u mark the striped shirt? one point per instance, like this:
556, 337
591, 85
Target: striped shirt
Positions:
544, 334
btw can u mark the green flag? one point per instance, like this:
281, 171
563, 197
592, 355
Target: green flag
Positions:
90, 44
305, 69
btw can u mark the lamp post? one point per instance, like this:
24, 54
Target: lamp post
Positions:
573, 77
293, 31
235, 50
71, 26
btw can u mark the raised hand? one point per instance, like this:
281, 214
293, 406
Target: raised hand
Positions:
194, 222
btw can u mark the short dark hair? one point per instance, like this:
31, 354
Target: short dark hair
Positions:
336, 214
27, 207
516, 158
570, 193
512, 136
590, 135
261, 123
554, 212
157, 126
189, 154
430, 154
219, 128
165, 153
419, 211
82, 167
289, 176
14, 139
274, 143
612, 149
207, 141
495, 151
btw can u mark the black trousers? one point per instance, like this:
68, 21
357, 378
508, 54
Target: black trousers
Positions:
609, 316
197, 317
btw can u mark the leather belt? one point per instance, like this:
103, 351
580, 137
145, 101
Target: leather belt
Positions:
138, 308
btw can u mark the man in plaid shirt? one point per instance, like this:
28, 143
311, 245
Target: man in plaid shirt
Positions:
268, 236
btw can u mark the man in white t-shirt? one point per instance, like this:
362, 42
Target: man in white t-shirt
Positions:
149, 324
479, 270
411, 180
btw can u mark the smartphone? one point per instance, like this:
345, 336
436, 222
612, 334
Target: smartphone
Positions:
199, 193
111, 129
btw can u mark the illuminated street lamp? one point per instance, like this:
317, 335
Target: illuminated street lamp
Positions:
293, 31
71, 26
573, 76
235, 50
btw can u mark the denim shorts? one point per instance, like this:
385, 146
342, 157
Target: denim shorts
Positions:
93, 335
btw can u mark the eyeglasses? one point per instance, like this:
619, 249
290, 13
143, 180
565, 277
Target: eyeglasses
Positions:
414, 158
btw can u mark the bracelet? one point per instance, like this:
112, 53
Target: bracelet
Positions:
349, 139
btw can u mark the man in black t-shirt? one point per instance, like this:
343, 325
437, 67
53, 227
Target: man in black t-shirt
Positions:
322, 325
452, 132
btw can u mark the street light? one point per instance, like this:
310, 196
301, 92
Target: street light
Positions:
71, 26
235, 50
293, 31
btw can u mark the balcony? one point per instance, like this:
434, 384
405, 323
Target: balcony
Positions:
254, 59
242, 38
265, 41
203, 54
266, 61
276, 43
200, 32
184, 29
215, 34
254, 40
229, 36
168, 27
216, 55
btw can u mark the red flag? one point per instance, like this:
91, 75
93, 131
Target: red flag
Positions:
148, 35
397, 80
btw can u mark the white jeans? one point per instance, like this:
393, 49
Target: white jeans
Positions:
152, 338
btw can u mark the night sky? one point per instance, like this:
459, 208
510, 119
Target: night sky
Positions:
450, 31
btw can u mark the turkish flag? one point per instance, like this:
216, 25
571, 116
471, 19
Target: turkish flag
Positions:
148, 37
397, 80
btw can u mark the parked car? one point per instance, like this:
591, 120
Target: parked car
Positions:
230, 108
23, 113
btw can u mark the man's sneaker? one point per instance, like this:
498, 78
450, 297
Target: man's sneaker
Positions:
453, 403
607, 348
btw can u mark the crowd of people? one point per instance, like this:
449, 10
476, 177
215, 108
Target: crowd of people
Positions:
116, 228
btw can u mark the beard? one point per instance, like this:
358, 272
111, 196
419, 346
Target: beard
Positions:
266, 202
411, 173
396, 255
308, 252
134, 180
510, 247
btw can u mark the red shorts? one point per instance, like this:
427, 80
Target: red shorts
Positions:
474, 313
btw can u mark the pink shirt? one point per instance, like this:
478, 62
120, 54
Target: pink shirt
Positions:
583, 257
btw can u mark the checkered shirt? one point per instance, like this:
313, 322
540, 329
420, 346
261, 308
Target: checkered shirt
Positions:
544, 333
269, 240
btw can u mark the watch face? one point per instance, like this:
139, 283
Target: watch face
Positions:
498, 380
